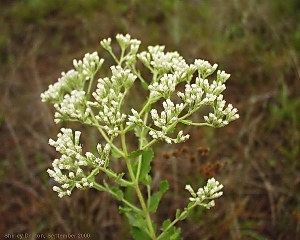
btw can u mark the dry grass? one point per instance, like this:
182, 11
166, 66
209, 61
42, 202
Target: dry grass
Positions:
256, 157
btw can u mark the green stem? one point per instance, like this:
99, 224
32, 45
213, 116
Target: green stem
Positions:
138, 74
176, 220
114, 56
149, 144
146, 212
198, 124
148, 103
110, 142
122, 56
100, 129
89, 87
91, 81
136, 187
99, 187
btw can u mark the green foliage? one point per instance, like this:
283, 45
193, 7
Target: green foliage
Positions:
141, 169
138, 225
170, 232
156, 197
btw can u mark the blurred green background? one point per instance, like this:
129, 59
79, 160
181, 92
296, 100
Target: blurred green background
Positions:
257, 157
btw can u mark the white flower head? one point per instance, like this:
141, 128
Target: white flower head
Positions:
123, 40
105, 43
211, 191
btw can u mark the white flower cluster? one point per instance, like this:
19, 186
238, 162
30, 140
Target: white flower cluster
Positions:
169, 69
70, 169
222, 116
193, 95
73, 106
135, 119
124, 41
222, 76
211, 191
162, 135
68, 93
56, 91
168, 116
109, 97
204, 93
156, 58
89, 65
164, 87
165, 121
204, 68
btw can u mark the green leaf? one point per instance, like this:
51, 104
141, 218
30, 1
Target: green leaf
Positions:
146, 163
92, 178
177, 213
138, 225
106, 185
115, 154
145, 166
135, 154
172, 234
122, 183
182, 216
124, 209
139, 234
131, 127
166, 224
120, 176
156, 197
147, 180
110, 173
118, 194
